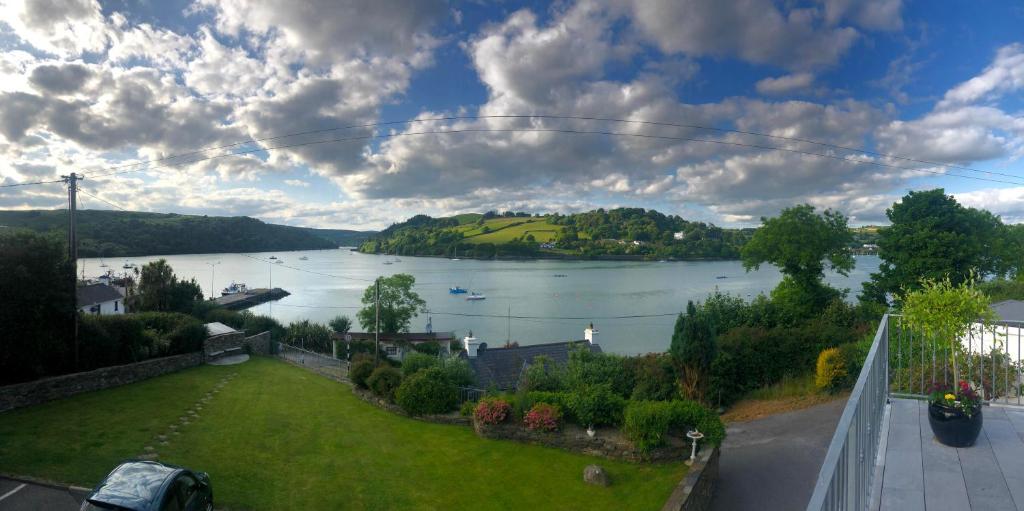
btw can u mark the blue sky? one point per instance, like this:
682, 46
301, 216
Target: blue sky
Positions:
86, 86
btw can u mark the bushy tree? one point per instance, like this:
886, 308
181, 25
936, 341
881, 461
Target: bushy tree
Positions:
340, 324
801, 243
160, 290
398, 304
384, 381
596, 405
426, 392
543, 374
415, 362
932, 237
588, 368
457, 371
692, 349
309, 335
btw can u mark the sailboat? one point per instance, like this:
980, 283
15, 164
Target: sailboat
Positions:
476, 296
456, 258
102, 264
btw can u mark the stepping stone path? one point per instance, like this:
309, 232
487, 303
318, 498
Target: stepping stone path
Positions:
192, 414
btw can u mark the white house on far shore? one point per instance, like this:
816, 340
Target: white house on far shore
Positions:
99, 299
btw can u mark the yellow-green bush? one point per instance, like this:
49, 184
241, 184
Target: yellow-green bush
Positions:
830, 374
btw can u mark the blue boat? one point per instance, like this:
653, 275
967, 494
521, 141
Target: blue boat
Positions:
456, 290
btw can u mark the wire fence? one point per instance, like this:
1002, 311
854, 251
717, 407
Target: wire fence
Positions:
470, 394
321, 363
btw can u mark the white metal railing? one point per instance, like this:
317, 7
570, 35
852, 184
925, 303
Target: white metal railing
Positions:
844, 482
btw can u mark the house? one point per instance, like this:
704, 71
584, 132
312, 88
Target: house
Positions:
547, 246
503, 367
99, 299
396, 346
679, 236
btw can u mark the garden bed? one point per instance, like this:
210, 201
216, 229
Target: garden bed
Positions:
379, 402
607, 443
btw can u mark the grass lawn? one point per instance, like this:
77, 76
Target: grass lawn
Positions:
279, 437
790, 394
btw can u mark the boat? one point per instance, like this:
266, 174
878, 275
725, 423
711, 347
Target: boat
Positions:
234, 289
303, 258
722, 277
279, 262
457, 290
476, 296
128, 265
387, 262
273, 257
102, 264
455, 257
559, 275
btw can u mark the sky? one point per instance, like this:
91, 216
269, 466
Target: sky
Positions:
360, 113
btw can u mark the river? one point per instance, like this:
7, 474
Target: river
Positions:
331, 282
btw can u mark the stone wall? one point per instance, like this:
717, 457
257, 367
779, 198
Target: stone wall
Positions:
607, 443
694, 492
48, 389
259, 343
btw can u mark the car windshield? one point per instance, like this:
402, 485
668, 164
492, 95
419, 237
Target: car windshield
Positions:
135, 481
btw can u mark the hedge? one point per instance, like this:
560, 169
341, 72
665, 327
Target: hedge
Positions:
384, 381
646, 423
426, 392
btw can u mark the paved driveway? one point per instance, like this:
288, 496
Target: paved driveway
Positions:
23, 496
772, 463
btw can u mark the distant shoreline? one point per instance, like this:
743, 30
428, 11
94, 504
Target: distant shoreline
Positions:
563, 257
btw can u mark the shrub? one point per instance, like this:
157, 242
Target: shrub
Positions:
596, 405
429, 348
230, 318
491, 411
187, 338
543, 417
467, 408
427, 391
414, 362
588, 368
646, 423
384, 381
654, 377
311, 336
854, 354
830, 374
257, 323
458, 371
361, 369
543, 374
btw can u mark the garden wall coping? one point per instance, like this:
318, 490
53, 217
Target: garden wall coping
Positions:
694, 492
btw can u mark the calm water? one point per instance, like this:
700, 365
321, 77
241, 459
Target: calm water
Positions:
332, 282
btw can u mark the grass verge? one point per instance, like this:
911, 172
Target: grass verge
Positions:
788, 395
278, 437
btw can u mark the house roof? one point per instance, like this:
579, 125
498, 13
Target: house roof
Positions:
1009, 310
501, 367
216, 328
95, 293
406, 337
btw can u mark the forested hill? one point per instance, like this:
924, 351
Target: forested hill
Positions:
623, 233
104, 233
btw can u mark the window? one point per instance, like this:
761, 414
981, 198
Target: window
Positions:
392, 351
180, 494
115, 305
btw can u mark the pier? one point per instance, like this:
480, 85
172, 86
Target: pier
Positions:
250, 298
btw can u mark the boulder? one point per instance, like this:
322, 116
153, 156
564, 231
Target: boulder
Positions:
595, 474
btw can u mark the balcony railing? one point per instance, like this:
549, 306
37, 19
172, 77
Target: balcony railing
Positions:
904, 363
846, 474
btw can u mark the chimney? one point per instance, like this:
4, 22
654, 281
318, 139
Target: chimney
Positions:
590, 334
471, 344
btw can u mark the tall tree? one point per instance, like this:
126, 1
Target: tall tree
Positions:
693, 348
932, 237
398, 304
36, 306
801, 243
160, 290
340, 324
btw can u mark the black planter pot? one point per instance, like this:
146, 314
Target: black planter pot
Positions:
952, 427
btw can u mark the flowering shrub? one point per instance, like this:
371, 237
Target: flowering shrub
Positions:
960, 397
492, 411
543, 417
830, 373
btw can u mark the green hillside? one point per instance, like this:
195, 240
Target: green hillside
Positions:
624, 233
341, 237
104, 233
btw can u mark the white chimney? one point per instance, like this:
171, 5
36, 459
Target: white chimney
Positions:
590, 334
472, 344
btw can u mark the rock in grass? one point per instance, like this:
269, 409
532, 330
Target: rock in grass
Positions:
596, 475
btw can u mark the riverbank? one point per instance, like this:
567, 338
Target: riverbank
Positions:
554, 256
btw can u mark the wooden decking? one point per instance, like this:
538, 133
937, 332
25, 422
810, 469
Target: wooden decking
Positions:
922, 474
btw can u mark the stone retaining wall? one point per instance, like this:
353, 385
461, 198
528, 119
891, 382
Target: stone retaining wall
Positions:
694, 492
607, 443
259, 343
48, 389
379, 402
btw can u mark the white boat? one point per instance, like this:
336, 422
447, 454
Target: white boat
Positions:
476, 296
102, 264
128, 265
279, 262
387, 262
303, 258
234, 289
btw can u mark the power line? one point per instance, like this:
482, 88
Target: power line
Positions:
101, 199
12, 185
564, 131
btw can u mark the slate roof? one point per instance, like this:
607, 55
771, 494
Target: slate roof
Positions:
406, 337
501, 367
95, 293
1009, 310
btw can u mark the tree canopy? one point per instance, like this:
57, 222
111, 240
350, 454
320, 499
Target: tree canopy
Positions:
398, 304
932, 237
799, 242
160, 290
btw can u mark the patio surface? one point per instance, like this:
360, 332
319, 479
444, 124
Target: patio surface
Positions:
921, 474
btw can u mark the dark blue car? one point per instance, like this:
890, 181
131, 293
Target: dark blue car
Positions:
151, 486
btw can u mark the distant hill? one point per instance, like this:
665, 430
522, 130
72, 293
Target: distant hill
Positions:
341, 237
104, 233
623, 233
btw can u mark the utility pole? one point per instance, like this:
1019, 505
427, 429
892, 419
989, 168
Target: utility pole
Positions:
270, 303
213, 271
508, 326
376, 328
72, 182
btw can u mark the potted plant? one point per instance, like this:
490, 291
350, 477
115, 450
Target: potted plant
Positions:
944, 313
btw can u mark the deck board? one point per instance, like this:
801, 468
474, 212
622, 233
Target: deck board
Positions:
920, 473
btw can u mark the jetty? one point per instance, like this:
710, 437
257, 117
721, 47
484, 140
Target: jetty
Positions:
251, 297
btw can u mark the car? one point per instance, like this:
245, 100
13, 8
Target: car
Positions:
151, 486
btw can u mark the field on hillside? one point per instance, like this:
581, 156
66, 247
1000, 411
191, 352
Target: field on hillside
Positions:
504, 230
275, 436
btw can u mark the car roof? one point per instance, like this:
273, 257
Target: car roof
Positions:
134, 484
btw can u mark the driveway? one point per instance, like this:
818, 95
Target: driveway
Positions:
772, 463
25, 496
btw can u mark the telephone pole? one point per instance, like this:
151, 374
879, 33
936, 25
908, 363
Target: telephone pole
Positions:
72, 182
213, 271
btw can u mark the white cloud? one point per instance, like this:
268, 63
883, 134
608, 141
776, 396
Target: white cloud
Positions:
297, 182
869, 14
66, 28
785, 84
1005, 74
1008, 203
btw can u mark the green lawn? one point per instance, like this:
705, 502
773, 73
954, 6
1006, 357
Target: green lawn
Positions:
278, 437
